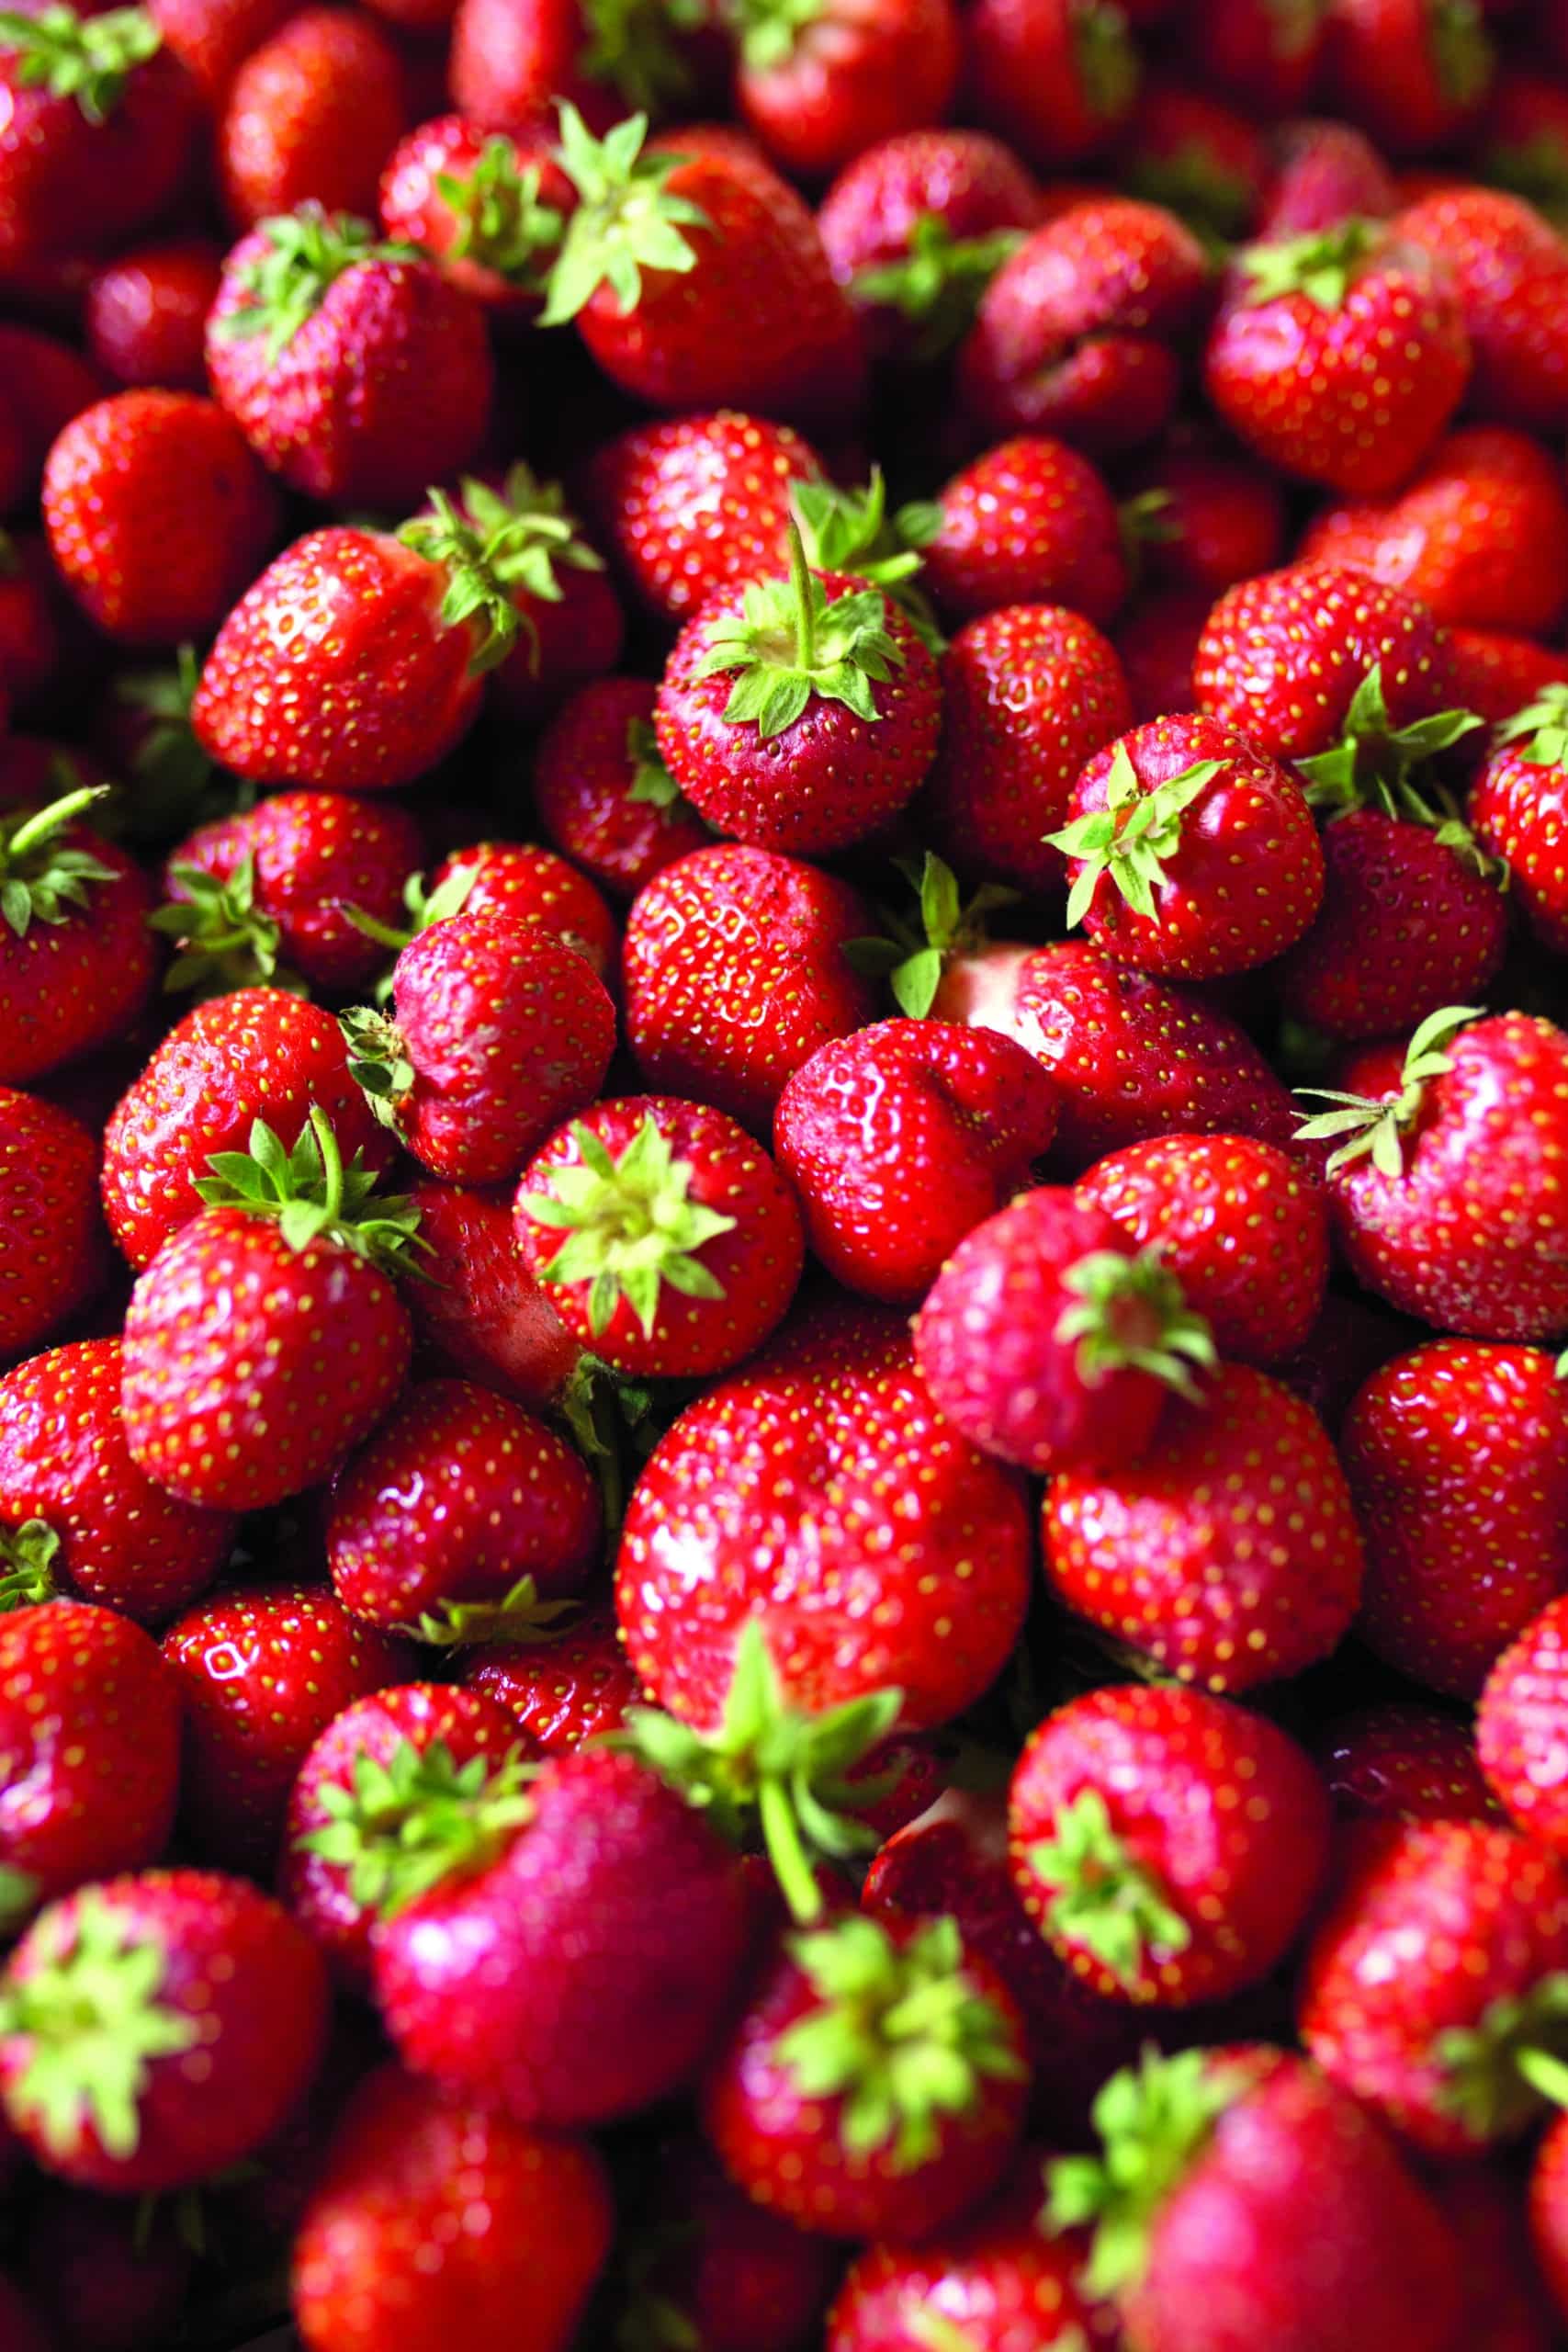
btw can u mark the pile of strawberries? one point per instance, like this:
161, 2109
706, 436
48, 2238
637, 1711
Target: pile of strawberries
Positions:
783, 1176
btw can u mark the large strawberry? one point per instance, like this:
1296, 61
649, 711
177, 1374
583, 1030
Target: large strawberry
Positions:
310, 116
76, 962
1519, 805
1055, 78
1520, 1727
1508, 267
489, 208
1029, 523
52, 1243
603, 795
819, 85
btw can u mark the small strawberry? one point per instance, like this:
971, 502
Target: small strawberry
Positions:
1055, 78
90, 1727
1412, 73
46, 384
1510, 270
52, 1238
146, 311
1169, 1845
1201, 521
76, 962
601, 793
1264, 56
488, 207
478, 1311
564, 1690
1029, 523
1201, 159
1324, 172
1185, 1556
1519, 805
821, 83
1520, 1727
1401, 1760
311, 116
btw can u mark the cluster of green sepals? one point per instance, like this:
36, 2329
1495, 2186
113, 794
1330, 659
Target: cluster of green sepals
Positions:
1106, 1899
495, 545
626, 220
27, 1557
89, 58
402, 1825
630, 1224
1374, 765
44, 877
913, 955
851, 531
225, 940
789, 644
313, 1197
308, 250
502, 222
1377, 1130
1324, 264
1130, 1316
1132, 836
938, 280
519, 1615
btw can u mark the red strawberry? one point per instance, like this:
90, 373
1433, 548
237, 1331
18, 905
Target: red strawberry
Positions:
400, 2174
1055, 78
1076, 334
665, 1237
1029, 523
1264, 57
602, 794
1324, 172
701, 2256
39, 651
1168, 1844
51, 1239
1520, 1727
469, 1980
76, 961
833, 1435
155, 2028
509, 67
1298, 362
1156, 644
1506, 2305
1519, 805
562, 1692
900, 1139
819, 86
1412, 1444
496, 1033
1051, 1341
46, 384
90, 1725
534, 886
100, 2279
212, 38
874, 2085
489, 208
1204, 161
1496, 675
736, 972
1549, 2212
478, 1311
1399, 1760
1508, 268
1202, 522
1185, 1556
146, 311
311, 116
1410, 71
262, 1674
237, 1333
74, 1509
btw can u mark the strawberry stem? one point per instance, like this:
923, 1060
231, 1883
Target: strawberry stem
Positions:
630, 1225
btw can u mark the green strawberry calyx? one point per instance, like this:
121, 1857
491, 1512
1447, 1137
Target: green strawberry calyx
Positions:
651, 781
1129, 1315
1498, 2073
773, 1765
378, 1059
308, 250
850, 530
1462, 53
629, 1225
502, 224
43, 877
401, 1825
789, 644
913, 955
628, 217
1106, 60
517, 1615
1373, 764
28, 1554
1535, 168
1105, 1900
424, 908
937, 282
313, 1197
1323, 265
1378, 1129
225, 940
633, 45
1191, 181
490, 551
89, 2011
1154, 2120
174, 777
89, 58
901, 2036
1539, 729
1130, 839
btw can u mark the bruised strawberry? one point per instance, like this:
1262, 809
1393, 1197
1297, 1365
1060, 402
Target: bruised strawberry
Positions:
51, 1255
603, 795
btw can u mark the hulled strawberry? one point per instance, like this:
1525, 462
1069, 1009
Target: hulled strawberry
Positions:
478, 1311
490, 208
1520, 1727
1055, 78
601, 793
1519, 805
1410, 71
51, 1253
76, 961
310, 116
564, 1691
819, 88
1029, 523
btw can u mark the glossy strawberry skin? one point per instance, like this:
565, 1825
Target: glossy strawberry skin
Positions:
68, 986
1054, 78
212, 38
518, 879
1399, 1760
416, 210
478, 1311
146, 310
52, 1259
1409, 76
1324, 172
563, 1692
1518, 808
309, 116
1518, 1728
1029, 523
1216, 519
585, 773
1508, 267
71, 184
851, 78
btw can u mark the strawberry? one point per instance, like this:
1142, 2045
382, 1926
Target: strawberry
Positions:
356, 372
496, 1033
38, 648
1506, 2305
665, 1237
1028, 694
777, 695
508, 69
1519, 141
1055, 78
1324, 173
1519, 805
1401, 1760
146, 311
1029, 523
478, 1311
534, 886
52, 1238
490, 208
100, 2277
736, 970
400, 2174
502, 1516
1436, 1148
233, 1331
211, 39
1549, 2212
157, 2027
310, 118
1074, 334
833, 1433
1048, 1340
1190, 855
1435, 1978
1518, 1728
1297, 363
874, 2083
46, 384
900, 1139
76, 962
1201, 521
573, 1686
1496, 675
819, 86
468, 1977
1168, 1844
256, 1053
1239, 1225
1262, 55
398, 1789
75, 1511
602, 794
1155, 643
1412, 73
1183, 1556
1199, 158
1412, 1442
701, 2256
1507, 268
90, 1726
701, 283
261, 1675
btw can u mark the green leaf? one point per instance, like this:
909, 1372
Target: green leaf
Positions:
792, 643
314, 1197
1323, 265
308, 250
502, 224
627, 218
89, 58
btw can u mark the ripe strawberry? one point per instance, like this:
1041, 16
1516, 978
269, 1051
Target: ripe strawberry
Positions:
1520, 1727
211, 39
46, 384
40, 648
1441, 1150
820, 86
311, 116
90, 1722
1506, 2305
736, 972
489, 208
97, 2278
1264, 57
1412, 1442
701, 283
1496, 675
469, 1981
1324, 172
1168, 1844
145, 312
1190, 855
1076, 335
403, 2174
1029, 523
508, 68
261, 1675
602, 794
1029, 692
355, 371
76, 962
900, 1139
1400, 1760
562, 1692
1519, 805
1055, 78
1199, 158
1297, 361
1412, 73
75, 1511
478, 1311
1183, 1555
236, 1330
52, 1260
1203, 521
496, 1034
1155, 643
532, 885
832, 1433
1508, 268
700, 2255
